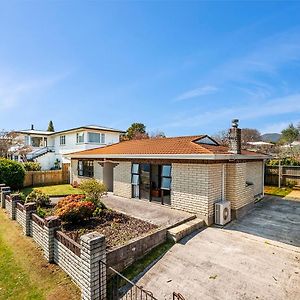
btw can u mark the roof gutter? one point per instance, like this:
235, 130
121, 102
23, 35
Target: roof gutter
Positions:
171, 156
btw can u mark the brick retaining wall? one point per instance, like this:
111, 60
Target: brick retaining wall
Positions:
67, 260
121, 257
80, 262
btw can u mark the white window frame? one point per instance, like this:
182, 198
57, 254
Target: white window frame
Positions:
62, 140
79, 135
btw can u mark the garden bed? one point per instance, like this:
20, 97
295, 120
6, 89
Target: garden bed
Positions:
276, 191
118, 228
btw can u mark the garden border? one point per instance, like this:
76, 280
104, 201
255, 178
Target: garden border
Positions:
80, 261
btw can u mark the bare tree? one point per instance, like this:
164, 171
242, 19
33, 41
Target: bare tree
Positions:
221, 137
10, 140
157, 135
250, 135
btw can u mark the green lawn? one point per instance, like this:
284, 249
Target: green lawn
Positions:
54, 190
276, 191
24, 272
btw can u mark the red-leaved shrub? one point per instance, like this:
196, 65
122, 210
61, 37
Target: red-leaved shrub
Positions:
74, 209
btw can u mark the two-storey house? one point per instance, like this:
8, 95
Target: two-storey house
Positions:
50, 148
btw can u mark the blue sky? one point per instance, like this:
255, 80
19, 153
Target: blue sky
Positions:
180, 67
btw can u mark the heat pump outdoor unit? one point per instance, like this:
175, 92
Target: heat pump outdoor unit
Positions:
222, 212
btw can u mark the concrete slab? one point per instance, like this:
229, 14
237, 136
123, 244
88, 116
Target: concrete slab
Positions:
232, 262
273, 218
293, 195
151, 212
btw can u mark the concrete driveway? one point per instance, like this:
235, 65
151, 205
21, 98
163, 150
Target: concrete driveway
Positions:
253, 258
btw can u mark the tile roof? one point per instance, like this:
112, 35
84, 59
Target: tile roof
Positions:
160, 146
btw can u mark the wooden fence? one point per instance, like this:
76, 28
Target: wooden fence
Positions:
282, 175
39, 178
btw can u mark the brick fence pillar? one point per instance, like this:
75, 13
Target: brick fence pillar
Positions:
51, 224
14, 198
4, 190
93, 277
29, 208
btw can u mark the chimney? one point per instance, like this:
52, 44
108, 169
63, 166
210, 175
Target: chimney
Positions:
32, 127
235, 138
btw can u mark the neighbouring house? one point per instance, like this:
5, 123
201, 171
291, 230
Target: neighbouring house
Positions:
49, 148
189, 173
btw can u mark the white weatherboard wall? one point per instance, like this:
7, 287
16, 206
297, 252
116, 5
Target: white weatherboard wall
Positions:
71, 145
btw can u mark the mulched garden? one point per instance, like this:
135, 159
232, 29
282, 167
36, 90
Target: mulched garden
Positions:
117, 228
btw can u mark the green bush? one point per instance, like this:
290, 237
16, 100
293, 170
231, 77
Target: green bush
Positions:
40, 198
32, 166
12, 173
94, 191
284, 162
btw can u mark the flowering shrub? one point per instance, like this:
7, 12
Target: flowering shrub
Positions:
69, 199
74, 209
40, 198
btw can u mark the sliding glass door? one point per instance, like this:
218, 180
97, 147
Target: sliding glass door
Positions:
151, 182
145, 170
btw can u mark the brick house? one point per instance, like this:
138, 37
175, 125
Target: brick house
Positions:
189, 173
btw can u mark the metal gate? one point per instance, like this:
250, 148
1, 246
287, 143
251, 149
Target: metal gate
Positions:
119, 287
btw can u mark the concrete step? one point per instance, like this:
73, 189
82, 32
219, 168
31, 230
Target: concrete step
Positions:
179, 232
296, 187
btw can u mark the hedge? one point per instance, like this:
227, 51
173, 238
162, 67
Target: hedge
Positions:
12, 173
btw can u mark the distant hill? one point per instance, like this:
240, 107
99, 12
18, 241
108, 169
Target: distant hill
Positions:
271, 137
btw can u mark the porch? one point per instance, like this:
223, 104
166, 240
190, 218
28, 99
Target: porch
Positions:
152, 212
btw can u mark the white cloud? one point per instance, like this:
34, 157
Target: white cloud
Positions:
277, 127
252, 111
198, 92
13, 90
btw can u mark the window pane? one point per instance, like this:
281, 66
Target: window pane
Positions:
80, 137
135, 168
102, 138
62, 139
166, 183
93, 137
166, 171
135, 179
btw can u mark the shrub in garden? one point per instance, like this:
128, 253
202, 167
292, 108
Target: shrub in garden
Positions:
32, 166
94, 190
74, 208
12, 173
40, 198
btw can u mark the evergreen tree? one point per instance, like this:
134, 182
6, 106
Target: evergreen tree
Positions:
50, 126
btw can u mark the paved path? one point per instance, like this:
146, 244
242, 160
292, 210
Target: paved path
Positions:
293, 195
145, 210
230, 263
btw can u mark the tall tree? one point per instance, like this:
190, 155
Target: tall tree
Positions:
136, 131
289, 134
50, 126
